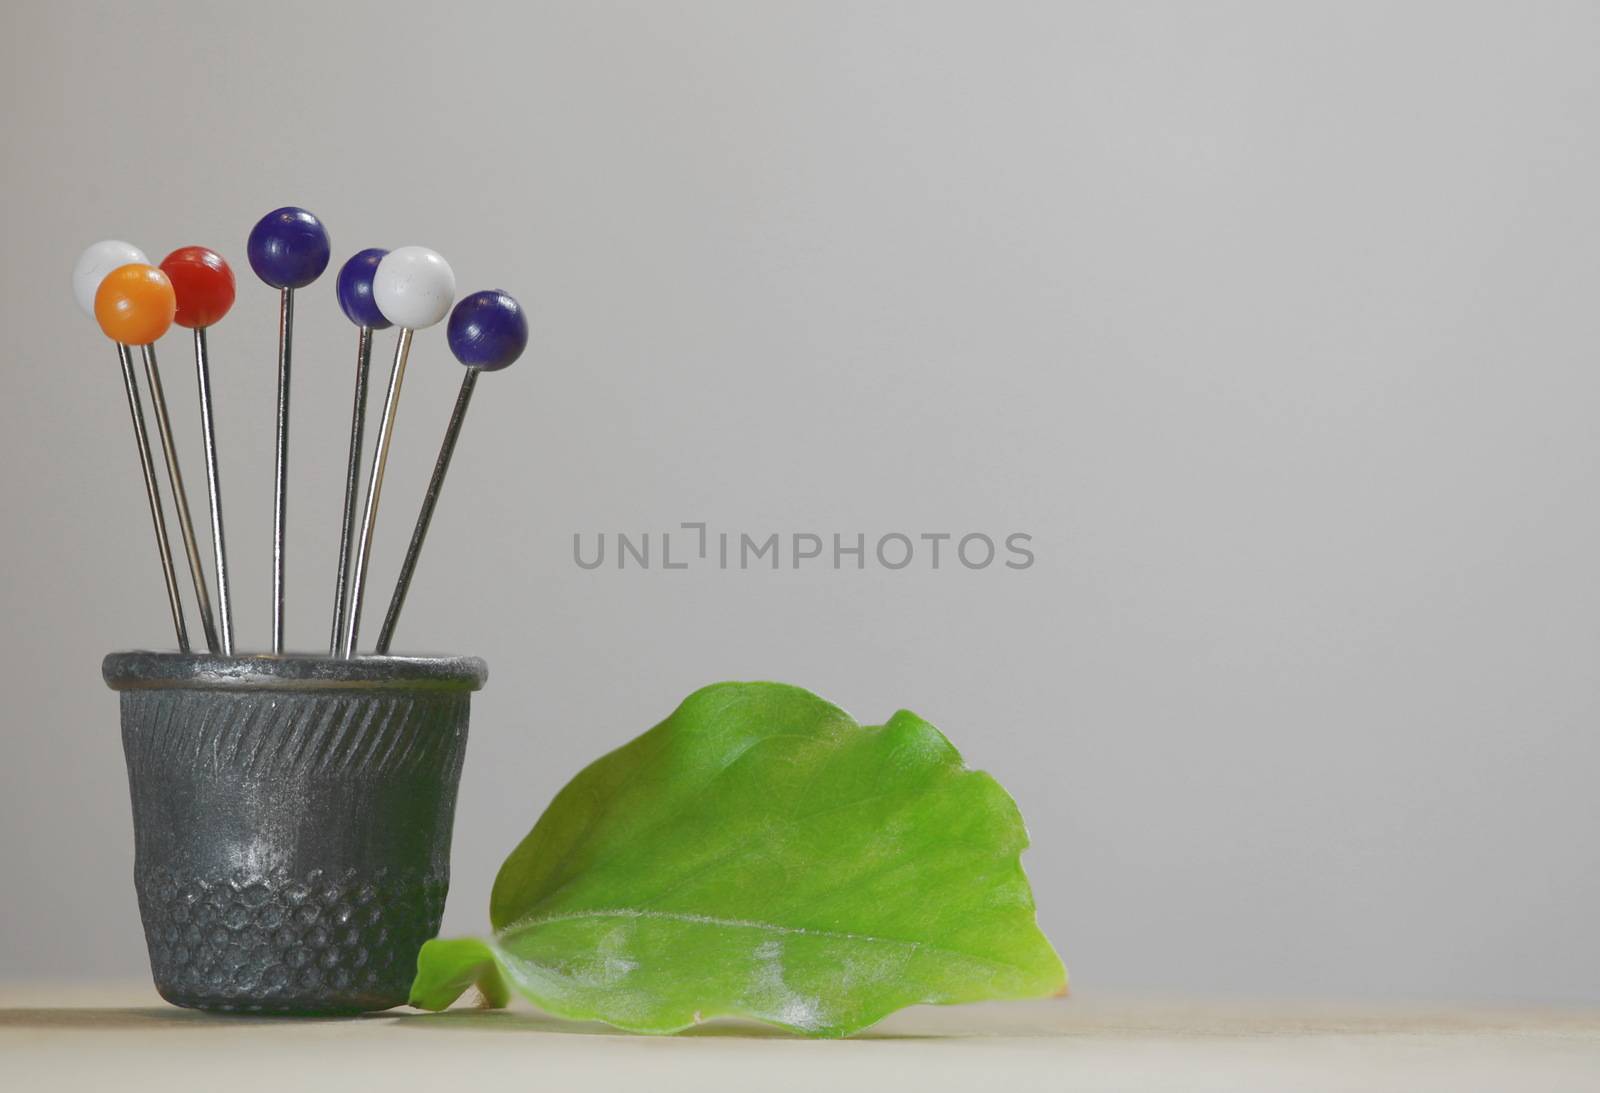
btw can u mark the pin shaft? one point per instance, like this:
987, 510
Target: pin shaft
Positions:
202, 370
352, 485
180, 496
152, 491
280, 501
441, 467
380, 457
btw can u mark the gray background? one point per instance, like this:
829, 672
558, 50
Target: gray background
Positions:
1274, 324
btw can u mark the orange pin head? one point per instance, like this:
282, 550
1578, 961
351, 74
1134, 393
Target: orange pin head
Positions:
135, 304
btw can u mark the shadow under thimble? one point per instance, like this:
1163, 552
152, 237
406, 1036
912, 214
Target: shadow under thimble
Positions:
291, 821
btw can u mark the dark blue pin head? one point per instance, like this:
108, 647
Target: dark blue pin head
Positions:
488, 330
289, 248
355, 289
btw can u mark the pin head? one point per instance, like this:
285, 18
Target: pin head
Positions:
355, 288
135, 304
488, 330
414, 287
203, 284
289, 248
97, 260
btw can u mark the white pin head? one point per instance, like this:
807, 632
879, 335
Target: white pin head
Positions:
97, 260
414, 287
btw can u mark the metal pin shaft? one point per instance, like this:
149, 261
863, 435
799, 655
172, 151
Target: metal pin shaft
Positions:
180, 496
281, 496
441, 467
352, 483
202, 371
380, 456
152, 491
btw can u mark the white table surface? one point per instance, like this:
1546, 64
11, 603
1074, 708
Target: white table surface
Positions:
124, 1038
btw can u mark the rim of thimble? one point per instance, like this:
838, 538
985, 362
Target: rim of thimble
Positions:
144, 670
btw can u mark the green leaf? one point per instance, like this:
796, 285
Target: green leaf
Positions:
759, 854
452, 966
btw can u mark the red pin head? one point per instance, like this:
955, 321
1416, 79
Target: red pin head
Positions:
203, 284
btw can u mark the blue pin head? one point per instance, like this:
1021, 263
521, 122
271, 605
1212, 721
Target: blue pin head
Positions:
289, 248
488, 330
355, 289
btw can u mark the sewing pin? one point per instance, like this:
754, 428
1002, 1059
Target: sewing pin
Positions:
487, 332
204, 287
413, 288
355, 300
134, 304
288, 249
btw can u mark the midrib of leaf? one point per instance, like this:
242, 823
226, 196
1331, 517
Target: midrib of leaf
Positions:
690, 918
